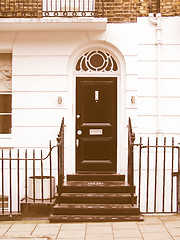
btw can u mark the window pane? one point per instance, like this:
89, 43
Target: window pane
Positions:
5, 103
5, 124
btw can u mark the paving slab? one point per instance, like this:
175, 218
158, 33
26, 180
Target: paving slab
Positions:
73, 226
69, 238
99, 229
17, 238
156, 236
175, 232
4, 225
172, 217
98, 236
127, 233
150, 220
171, 224
71, 234
27, 227
152, 228
46, 230
18, 234
99, 224
128, 238
20, 230
125, 225
4, 228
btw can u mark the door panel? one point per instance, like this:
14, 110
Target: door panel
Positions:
96, 124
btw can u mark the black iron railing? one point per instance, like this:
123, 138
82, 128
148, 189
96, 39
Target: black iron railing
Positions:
155, 173
51, 8
60, 140
17, 170
131, 139
159, 165
28, 177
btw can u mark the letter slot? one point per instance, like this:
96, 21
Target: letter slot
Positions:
95, 132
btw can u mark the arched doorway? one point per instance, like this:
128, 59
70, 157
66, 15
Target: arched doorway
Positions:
96, 112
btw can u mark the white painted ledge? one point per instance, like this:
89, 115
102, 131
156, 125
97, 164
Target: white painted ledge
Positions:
43, 24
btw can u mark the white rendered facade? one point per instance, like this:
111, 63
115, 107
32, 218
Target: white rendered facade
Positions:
43, 69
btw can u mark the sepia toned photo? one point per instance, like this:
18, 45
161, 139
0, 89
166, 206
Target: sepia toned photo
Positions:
90, 119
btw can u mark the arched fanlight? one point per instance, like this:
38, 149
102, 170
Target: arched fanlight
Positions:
96, 61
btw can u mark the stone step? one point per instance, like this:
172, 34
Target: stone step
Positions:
95, 198
96, 187
96, 177
111, 198
93, 218
95, 209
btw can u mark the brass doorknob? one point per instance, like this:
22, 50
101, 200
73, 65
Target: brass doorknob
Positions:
79, 132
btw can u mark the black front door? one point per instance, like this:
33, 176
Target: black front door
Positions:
96, 124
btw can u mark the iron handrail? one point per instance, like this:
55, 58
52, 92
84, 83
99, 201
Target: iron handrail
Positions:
31, 159
60, 140
131, 139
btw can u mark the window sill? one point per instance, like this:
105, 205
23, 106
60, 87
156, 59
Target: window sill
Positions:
5, 136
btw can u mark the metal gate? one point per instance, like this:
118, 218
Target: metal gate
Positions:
156, 176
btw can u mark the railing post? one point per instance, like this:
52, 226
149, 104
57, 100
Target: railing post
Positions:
140, 152
178, 182
62, 149
2, 183
18, 181
42, 183
131, 139
60, 144
164, 174
50, 171
172, 168
132, 174
26, 175
34, 177
147, 183
59, 174
155, 175
10, 181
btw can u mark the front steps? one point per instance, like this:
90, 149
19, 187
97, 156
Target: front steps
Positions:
95, 198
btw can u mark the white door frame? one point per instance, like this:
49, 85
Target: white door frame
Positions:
70, 158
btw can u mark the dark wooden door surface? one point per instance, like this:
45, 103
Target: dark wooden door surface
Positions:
96, 124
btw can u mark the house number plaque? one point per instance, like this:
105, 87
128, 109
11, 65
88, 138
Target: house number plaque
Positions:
95, 132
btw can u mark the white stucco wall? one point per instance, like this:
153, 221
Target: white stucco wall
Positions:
43, 63
42, 71
170, 76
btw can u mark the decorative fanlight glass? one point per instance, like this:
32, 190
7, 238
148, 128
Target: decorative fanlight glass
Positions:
96, 61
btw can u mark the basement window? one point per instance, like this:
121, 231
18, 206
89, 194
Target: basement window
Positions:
5, 92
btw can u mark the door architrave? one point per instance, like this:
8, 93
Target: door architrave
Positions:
70, 166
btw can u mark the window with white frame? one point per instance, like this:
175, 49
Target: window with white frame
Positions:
5, 92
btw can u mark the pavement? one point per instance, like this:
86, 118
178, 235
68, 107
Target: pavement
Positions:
164, 227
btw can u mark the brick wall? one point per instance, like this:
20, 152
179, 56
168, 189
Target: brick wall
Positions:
116, 11
21, 8
128, 10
